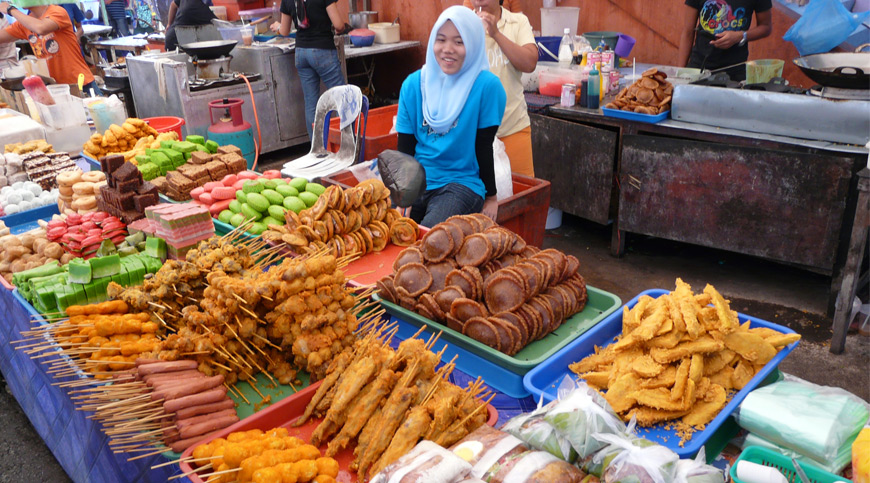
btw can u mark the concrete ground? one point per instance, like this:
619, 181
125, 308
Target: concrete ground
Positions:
766, 290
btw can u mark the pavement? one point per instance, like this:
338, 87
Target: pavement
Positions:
767, 290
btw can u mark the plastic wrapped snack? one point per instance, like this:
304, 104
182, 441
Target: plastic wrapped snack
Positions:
696, 471
596, 463
535, 431
426, 463
650, 464
581, 412
498, 457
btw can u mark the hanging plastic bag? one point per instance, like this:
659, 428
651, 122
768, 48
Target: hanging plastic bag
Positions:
581, 412
653, 464
816, 421
503, 179
824, 25
697, 471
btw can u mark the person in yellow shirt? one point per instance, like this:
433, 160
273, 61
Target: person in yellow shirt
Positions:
511, 50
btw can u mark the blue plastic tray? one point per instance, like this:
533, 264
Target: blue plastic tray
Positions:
544, 379
95, 165
635, 116
28, 220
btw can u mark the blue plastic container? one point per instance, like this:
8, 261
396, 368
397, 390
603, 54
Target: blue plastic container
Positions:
544, 379
635, 116
93, 163
28, 220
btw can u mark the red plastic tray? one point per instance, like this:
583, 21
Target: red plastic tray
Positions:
376, 265
284, 413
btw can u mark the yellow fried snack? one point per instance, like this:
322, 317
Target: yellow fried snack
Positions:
681, 355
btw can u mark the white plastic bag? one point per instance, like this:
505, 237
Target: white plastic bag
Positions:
503, 179
366, 170
581, 412
654, 464
697, 471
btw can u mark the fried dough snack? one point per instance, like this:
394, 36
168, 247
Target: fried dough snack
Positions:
130, 139
651, 94
679, 358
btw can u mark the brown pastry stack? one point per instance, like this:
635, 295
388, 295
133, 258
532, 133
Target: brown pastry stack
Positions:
126, 195
43, 168
199, 170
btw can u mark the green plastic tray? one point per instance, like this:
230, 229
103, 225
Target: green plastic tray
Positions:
767, 457
599, 306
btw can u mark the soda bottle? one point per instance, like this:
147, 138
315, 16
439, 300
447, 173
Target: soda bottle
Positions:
594, 86
566, 49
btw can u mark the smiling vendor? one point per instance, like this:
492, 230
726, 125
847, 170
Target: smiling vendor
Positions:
51, 35
449, 106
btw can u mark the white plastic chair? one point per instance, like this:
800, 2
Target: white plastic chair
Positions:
351, 105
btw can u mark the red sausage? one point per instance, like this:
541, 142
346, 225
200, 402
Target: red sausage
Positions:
205, 409
182, 444
208, 426
193, 386
173, 366
164, 386
210, 396
183, 423
141, 361
171, 376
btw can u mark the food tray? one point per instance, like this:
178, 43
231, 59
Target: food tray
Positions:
94, 164
224, 228
284, 414
599, 306
543, 380
25, 221
768, 457
635, 116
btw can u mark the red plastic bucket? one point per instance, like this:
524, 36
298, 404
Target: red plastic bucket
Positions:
166, 124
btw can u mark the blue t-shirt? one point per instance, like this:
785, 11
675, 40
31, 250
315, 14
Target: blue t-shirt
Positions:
75, 13
450, 157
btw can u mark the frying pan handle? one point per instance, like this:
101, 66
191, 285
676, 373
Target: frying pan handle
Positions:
855, 71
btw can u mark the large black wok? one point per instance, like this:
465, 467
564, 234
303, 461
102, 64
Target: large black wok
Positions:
849, 70
15, 83
210, 49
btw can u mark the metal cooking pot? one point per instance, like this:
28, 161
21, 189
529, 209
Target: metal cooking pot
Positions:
361, 20
210, 49
849, 70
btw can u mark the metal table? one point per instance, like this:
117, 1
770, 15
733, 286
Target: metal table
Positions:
366, 54
92, 31
132, 43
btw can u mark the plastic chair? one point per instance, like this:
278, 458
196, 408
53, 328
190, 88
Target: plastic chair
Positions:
352, 107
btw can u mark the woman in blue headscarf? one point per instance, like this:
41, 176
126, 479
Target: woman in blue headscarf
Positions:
449, 112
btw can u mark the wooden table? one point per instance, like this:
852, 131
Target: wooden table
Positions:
133, 44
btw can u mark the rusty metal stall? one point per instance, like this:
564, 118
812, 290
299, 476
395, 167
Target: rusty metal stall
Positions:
784, 199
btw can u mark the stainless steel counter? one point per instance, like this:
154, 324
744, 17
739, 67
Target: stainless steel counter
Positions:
160, 88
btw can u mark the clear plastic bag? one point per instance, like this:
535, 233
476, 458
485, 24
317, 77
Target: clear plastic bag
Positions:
596, 463
824, 25
535, 431
581, 412
635, 464
697, 471
503, 179
816, 421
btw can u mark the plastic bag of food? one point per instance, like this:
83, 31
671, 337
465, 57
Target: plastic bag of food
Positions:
697, 471
581, 412
635, 464
426, 463
816, 421
596, 463
539, 434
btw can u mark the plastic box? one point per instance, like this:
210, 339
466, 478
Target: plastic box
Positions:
234, 7
767, 457
550, 81
385, 32
377, 135
524, 213
543, 380
66, 112
231, 33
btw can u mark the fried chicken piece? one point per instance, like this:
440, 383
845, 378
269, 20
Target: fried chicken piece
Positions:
443, 407
362, 410
412, 429
391, 417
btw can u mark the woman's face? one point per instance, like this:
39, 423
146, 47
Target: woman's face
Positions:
449, 49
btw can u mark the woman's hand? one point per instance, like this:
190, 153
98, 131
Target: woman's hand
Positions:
275, 27
727, 39
490, 207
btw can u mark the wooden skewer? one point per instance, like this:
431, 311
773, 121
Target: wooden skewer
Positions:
241, 395
207, 476
155, 452
178, 461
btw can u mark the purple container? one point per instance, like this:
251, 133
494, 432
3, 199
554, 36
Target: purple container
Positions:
624, 45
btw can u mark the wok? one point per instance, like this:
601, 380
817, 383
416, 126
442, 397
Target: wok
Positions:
14, 83
849, 70
210, 49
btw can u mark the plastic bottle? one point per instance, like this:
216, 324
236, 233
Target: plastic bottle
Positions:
566, 49
594, 89
584, 95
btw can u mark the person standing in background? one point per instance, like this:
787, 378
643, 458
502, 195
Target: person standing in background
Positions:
513, 6
186, 13
7, 50
117, 11
76, 16
716, 33
511, 50
50, 33
317, 23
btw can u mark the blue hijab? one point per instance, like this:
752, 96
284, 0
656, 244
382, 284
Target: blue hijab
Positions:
444, 95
